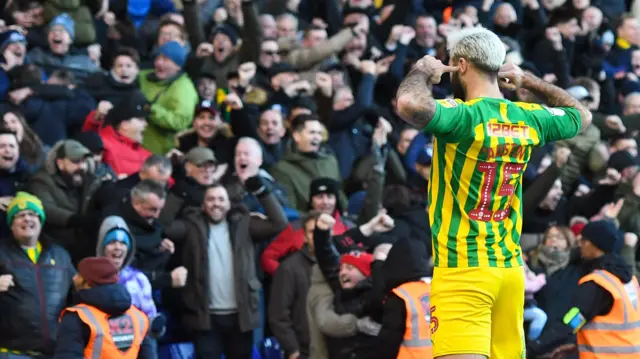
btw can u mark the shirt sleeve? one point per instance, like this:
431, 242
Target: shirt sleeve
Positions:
555, 123
452, 120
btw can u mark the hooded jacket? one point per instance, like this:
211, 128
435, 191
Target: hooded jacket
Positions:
407, 261
61, 202
113, 300
135, 281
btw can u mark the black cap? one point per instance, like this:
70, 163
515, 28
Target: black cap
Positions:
91, 140
206, 105
620, 160
134, 104
280, 68
604, 235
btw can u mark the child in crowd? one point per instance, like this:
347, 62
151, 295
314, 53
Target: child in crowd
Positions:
536, 316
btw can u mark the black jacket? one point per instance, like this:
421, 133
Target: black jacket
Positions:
113, 300
148, 258
30, 309
186, 192
591, 299
103, 87
408, 261
354, 301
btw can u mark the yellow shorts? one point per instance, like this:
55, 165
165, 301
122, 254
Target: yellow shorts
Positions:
478, 311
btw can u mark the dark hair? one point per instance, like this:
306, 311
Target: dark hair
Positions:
312, 28
398, 198
619, 22
126, 51
6, 131
148, 186
25, 75
298, 123
620, 137
31, 144
166, 20
66, 76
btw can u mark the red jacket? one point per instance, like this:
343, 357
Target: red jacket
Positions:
288, 241
121, 153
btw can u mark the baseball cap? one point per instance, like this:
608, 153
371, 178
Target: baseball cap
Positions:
133, 105
72, 150
200, 155
206, 105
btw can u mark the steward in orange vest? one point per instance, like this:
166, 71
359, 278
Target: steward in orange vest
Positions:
104, 324
405, 331
605, 313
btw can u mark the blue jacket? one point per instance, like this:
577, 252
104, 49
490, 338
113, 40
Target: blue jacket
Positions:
57, 119
112, 299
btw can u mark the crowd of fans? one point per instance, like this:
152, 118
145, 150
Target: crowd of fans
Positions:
243, 165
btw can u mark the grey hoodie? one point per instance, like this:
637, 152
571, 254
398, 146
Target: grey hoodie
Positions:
110, 223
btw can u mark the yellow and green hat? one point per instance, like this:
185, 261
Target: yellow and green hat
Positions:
24, 201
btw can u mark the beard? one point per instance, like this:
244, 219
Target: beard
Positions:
75, 179
457, 88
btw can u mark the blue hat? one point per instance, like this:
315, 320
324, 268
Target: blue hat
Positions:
10, 37
117, 235
66, 22
604, 235
173, 50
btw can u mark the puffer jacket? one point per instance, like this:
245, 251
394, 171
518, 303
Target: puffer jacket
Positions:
29, 310
581, 148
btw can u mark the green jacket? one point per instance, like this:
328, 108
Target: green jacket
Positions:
582, 148
172, 110
296, 171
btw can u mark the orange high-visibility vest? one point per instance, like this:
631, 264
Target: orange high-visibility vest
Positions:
417, 336
616, 334
101, 341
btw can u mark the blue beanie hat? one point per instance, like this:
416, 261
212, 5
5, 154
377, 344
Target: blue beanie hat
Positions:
173, 50
117, 235
66, 22
10, 37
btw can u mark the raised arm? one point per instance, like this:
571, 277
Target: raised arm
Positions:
556, 97
414, 98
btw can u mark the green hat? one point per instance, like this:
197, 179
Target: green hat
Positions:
24, 201
73, 150
200, 155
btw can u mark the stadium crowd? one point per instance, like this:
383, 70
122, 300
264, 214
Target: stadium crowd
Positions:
243, 166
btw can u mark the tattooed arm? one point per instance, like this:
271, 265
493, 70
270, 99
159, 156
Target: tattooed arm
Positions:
415, 101
556, 97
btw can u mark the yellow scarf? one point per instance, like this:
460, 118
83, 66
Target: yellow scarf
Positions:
34, 253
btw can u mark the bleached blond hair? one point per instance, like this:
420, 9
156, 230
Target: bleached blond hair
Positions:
479, 46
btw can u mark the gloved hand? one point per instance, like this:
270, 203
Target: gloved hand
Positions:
367, 326
158, 325
255, 185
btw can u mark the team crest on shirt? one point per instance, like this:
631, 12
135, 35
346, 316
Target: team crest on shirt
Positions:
426, 307
448, 103
554, 111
